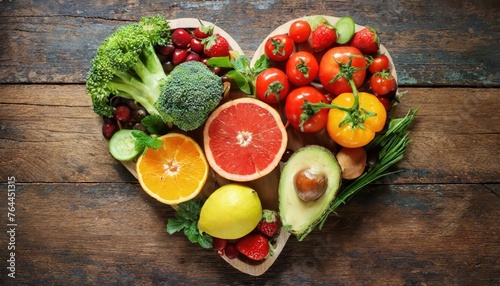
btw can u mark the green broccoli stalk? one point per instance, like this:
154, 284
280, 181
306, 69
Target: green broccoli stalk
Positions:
191, 92
126, 65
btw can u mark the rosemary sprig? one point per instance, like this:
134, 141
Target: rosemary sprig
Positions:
392, 146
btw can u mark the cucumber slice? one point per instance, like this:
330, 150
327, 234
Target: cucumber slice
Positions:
122, 145
346, 28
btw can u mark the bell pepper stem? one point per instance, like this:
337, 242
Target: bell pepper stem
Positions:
355, 105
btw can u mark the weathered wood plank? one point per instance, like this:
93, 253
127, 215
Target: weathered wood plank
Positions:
389, 235
440, 43
52, 133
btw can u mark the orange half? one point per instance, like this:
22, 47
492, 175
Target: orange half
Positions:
174, 173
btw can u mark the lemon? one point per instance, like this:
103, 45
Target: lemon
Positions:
231, 212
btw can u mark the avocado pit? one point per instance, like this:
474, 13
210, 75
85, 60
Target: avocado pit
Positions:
310, 184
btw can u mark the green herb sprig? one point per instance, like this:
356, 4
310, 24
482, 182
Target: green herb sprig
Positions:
186, 219
241, 72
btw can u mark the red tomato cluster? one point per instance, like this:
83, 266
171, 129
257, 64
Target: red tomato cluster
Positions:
302, 74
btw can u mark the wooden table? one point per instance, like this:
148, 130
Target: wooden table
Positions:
82, 219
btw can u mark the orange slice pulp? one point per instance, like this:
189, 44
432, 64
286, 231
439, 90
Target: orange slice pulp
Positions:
174, 173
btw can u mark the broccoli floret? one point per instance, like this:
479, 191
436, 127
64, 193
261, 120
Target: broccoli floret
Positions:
191, 92
126, 65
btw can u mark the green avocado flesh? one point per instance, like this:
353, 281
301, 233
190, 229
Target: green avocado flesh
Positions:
296, 214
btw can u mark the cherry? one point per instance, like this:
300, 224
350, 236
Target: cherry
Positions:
181, 38
198, 33
197, 46
219, 245
193, 57
179, 56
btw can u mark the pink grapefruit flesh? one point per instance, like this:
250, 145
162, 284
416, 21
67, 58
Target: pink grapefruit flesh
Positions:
244, 139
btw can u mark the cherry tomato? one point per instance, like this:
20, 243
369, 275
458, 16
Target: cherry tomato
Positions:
299, 31
278, 47
382, 83
272, 85
379, 64
334, 69
385, 102
293, 109
348, 134
302, 68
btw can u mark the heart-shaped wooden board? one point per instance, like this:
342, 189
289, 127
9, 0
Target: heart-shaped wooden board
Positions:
267, 187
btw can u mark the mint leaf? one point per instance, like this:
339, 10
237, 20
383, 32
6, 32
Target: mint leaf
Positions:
241, 64
241, 72
205, 241
143, 140
186, 220
155, 124
261, 64
240, 81
221, 62
174, 226
191, 232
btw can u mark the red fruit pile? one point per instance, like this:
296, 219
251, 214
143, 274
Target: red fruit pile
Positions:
127, 115
256, 245
197, 44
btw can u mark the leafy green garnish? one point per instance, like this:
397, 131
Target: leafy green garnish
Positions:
186, 219
155, 124
241, 72
143, 141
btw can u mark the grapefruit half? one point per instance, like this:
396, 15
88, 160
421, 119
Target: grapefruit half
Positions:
244, 139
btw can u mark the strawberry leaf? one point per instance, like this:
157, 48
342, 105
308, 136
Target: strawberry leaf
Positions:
315, 21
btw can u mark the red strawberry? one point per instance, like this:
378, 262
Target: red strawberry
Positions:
269, 223
323, 37
254, 246
366, 41
216, 46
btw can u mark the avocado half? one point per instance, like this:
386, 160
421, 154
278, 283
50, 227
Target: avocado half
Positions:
298, 215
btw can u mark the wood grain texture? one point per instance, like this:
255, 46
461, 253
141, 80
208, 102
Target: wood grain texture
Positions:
51, 131
113, 233
84, 220
445, 43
